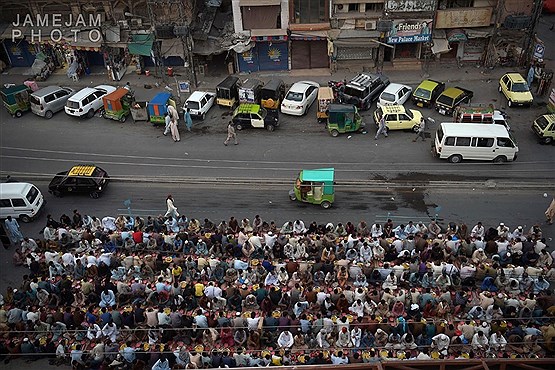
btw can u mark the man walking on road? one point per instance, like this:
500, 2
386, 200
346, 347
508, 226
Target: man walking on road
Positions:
188, 120
550, 212
420, 132
231, 134
382, 129
167, 120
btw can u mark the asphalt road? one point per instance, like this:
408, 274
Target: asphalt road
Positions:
32, 146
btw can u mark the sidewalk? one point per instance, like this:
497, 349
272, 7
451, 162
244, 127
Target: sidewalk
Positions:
146, 87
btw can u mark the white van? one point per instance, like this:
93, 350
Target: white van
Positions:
20, 200
457, 141
87, 101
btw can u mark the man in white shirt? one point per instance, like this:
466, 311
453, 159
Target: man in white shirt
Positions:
212, 291
478, 231
252, 322
285, 339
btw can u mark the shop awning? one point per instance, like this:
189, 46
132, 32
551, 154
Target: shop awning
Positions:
440, 46
357, 39
309, 35
141, 44
456, 35
85, 45
259, 2
172, 48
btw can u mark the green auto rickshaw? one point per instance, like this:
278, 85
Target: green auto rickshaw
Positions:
16, 99
343, 118
315, 187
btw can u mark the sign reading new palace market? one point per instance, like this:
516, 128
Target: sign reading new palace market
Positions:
410, 31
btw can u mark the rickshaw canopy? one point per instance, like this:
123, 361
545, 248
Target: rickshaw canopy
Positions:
324, 175
157, 106
112, 101
9, 94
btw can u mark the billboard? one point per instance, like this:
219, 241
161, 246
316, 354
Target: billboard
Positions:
410, 31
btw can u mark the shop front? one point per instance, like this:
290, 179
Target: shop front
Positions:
355, 47
20, 52
309, 50
268, 53
407, 36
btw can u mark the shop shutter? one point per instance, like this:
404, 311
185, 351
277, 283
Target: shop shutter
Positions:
300, 54
319, 54
273, 56
355, 53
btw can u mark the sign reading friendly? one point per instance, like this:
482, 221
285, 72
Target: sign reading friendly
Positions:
410, 31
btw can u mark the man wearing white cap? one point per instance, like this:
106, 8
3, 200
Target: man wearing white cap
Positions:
441, 343
518, 234
502, 230
478, 231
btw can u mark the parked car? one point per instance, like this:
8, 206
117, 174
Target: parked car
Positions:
394, 94
397, 117
299, 98
253, 115
199, 103
87, 101
516, 89
427, 92
52, 99
363, 89
544, 128
450, 98
84, 179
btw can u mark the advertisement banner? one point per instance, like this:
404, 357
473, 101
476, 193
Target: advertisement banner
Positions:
410, 31
409, 6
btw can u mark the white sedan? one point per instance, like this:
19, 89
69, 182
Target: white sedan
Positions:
299, 98
395, 94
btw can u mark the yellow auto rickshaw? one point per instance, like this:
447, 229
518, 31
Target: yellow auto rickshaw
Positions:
325, 98
272, 94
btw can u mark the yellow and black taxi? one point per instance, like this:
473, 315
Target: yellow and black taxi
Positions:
516, 89
82, 179
397, 117
253, 115
544, 128
427, 92
450, 98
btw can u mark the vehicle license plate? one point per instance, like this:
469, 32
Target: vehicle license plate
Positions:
420, 104
442, 111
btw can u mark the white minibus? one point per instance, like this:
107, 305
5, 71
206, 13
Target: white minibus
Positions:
20, 200
457, 141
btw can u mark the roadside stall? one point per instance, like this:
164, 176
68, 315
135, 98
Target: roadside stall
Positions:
158, 107
139, 111
117, 105
325, 98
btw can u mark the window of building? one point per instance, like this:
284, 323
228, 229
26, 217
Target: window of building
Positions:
353, 7
374, 7
449, 4
311, 11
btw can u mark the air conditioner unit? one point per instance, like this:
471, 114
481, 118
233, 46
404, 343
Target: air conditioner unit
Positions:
340, 8
370, 25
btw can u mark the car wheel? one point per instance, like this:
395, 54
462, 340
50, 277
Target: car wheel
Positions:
509, 103
334, 133
25, 218
48, 114
270, 128
500, 159
90, 113
547, 140
325, 204
18, 114
415, 128
123, 119
94, 195
292, 197
455, 158
239, 127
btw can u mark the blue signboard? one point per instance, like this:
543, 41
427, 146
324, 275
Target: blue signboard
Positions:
410, 31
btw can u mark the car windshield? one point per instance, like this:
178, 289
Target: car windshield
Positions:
98, 175
353, 92
294, 96
72, 104
388, 97
34, 100
445, 100
191, 104
422, 93
520, 87
542, 122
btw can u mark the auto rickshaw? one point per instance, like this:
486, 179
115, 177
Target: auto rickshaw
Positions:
117, 105
158, 107
343, 118
249, 91
272, 94
315, 187
16, 99
325, 98
226, 92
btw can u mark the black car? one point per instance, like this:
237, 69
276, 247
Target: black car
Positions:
253, 115
84, 179
363, 89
